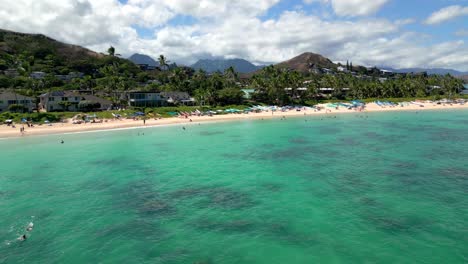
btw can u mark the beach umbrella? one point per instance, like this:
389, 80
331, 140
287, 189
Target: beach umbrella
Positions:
47, 121
8, 121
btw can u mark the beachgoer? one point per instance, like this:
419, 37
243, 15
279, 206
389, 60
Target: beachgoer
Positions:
183, 128
144, 121
30, 227
22, 238
62, 141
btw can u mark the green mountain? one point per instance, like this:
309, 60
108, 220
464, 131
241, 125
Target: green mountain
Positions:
34, 52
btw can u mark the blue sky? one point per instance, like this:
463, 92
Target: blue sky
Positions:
394, 33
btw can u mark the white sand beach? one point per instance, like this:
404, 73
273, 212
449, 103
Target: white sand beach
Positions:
68, 127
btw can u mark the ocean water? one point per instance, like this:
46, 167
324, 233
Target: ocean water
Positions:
368, 188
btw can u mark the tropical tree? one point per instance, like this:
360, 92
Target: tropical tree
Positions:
111, 51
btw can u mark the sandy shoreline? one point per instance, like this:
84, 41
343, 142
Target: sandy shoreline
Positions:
66, 128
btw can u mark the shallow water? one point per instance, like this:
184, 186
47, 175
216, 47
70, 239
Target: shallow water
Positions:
374, 188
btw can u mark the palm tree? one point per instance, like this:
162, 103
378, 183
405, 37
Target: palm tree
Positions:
163, 62
111, 51
231, 75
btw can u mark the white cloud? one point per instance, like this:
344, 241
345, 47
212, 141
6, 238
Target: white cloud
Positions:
228, 29
357, 7
446, 14
352, 8
403, 22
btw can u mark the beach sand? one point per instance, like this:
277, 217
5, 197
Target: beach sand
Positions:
63, 128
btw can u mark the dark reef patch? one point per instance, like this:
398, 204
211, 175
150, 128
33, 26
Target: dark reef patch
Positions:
236, 226
141, 196
329, 130
272, 187
215, 197
396, 223
211, 133
298, 140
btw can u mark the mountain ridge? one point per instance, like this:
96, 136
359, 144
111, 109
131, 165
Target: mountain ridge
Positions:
437, 71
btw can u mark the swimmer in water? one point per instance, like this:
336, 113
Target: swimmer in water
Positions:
22, 238
183, 128
62, 141
30, 227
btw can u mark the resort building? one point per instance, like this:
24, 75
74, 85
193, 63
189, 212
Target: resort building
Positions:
145, 99
8, 99
69, 101
175, 98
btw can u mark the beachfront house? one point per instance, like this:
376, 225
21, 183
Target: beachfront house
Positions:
176, 98
38, 75
11, 73
465, 89
145, 99
14, 102
70, 101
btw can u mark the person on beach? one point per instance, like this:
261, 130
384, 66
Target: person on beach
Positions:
144, 121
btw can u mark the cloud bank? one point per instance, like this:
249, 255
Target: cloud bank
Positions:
230, 29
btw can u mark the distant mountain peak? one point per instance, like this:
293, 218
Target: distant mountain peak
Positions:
214, 65
143, 59
306, 61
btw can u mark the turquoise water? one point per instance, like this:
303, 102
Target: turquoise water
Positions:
375, 188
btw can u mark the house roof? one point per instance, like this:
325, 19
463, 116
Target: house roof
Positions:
61, 93
176, 95
96, 99
14, 96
